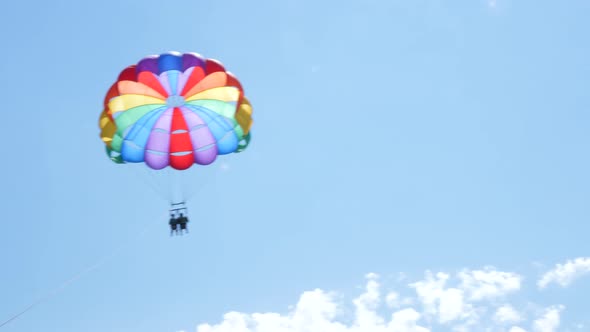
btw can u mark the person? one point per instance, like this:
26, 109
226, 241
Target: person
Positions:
182, 220
173, 224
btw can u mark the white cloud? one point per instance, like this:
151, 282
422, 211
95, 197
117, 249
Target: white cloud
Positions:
452, 306
393, 300
316, 312
430, 291
454, 303
565, 274
405, 321
445, 303
232, 321
506, 314
366, 304
488, 283
467, 301
549, 322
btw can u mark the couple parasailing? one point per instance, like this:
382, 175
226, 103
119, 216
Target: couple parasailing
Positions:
172, 111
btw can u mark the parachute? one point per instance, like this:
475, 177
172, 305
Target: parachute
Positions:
175, 110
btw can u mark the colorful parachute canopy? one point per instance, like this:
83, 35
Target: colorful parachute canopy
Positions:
175, 110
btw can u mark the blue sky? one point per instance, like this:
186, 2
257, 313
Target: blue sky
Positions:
390, 137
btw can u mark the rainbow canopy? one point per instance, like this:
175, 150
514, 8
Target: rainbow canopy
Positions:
175, 110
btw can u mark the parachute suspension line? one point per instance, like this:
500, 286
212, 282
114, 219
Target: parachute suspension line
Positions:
159, 184
188, 190
162, 182
54, 292
162, 177
149, 178
178, 187
170, 184
183, 188
202, 177
151, 182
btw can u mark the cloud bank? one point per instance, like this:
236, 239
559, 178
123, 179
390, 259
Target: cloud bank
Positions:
565, 274
469, 300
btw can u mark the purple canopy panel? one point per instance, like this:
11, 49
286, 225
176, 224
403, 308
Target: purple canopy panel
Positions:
208, 154
205, 150
158, 145
165, 82
183, 78
149, 63
192, 60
